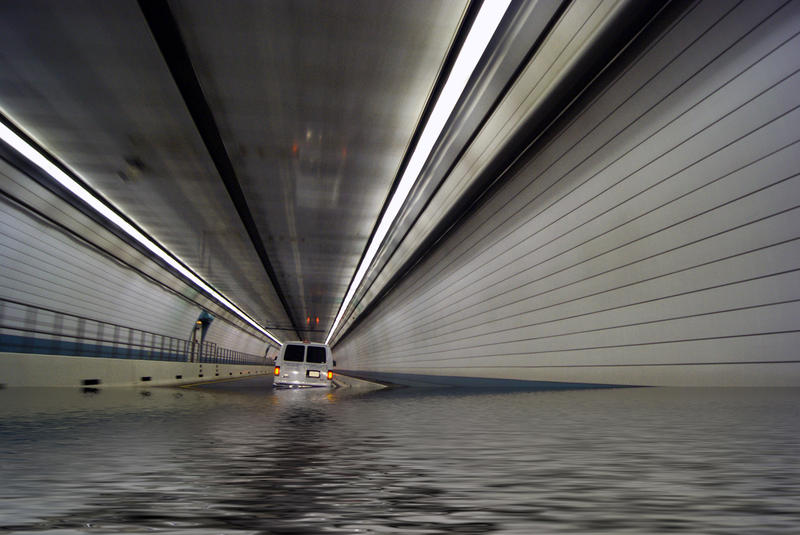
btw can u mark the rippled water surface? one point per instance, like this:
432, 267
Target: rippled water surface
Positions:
250, 460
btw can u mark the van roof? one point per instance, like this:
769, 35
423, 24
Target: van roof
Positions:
298, 342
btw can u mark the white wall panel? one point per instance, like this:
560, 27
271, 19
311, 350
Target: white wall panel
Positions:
44, 267
654, 240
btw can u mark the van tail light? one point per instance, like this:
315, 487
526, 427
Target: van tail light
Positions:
330, 375
277, 371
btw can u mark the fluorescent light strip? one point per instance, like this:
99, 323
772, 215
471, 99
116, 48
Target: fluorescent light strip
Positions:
482, 30
35, 157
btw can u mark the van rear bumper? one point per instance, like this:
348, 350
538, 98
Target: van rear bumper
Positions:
301, 385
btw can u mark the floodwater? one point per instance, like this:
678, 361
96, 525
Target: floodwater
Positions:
250, 460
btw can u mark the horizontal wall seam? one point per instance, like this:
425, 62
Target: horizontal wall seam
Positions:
56, 271
628, 285
509, 248
611, 270
81, 241
617, 227
626, 127
589, 331
610, 309
614, 346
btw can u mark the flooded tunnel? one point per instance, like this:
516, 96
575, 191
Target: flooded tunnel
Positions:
516, 266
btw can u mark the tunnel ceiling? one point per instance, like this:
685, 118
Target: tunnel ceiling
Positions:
315, 102
259, 141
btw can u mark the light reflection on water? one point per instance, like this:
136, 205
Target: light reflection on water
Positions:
409, 461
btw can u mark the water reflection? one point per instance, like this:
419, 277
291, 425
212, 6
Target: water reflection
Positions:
449, 461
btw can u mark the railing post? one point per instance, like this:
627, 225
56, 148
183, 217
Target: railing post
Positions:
80, 333
30, 324
3, 322
100, 352
58, 327
114, 342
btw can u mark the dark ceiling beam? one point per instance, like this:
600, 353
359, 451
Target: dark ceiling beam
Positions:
168, 37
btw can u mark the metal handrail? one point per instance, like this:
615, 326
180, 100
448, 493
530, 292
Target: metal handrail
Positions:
27, 328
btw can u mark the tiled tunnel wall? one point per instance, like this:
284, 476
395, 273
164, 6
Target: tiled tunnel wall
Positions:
45, 267
653, 240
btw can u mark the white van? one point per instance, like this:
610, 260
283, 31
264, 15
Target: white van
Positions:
303, 364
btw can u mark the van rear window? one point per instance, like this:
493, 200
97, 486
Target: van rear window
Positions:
293, 353
316, 355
